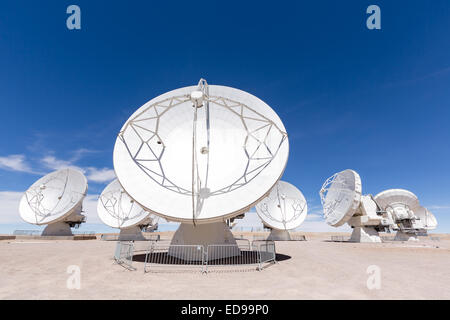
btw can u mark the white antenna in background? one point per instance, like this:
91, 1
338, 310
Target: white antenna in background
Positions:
117, 210
409, 218
343, 202
56, 200
284, 209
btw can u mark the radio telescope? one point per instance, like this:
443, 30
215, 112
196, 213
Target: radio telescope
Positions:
284, 209
409, 218
343, 202
200, 155
117, 210
56, 200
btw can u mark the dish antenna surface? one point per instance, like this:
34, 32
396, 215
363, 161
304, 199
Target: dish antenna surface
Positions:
284, 209
55, 200
117, 210
343, 202
409, 218
200, 155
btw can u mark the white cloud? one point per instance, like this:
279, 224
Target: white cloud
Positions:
93, 174
15, 162
438, 207
100, 175
53, 163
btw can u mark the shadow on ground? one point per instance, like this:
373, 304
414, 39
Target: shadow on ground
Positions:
246, 257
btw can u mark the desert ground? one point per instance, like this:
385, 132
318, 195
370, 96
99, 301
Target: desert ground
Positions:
312, 269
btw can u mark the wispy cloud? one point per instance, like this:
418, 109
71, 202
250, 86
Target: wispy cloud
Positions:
15, 162
53, 163
100, 175
19, 163
438, 207
433, 74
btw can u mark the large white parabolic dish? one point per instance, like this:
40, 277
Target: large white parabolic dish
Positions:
201, 154
341, 197
285, 207
53, 197
397, 197
116, 209
427, 219
404, 204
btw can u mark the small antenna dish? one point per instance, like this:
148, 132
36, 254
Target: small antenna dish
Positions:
341, 196
213, 162
427, 219
343, 202
55, 200
117, 210
284, 209
409, 218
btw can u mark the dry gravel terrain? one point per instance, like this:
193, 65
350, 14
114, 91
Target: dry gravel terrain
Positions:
313, 269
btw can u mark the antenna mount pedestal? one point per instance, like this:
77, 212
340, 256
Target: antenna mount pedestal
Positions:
216, 233
133, 233
60, 228
279, 235
365, 234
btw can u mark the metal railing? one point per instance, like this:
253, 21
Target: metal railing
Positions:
27, 232
124, 254
115, 237
228, 255
340, 238
260, 237
164, 257
90, 233
293, 237
266, 250
298, 237
243, 244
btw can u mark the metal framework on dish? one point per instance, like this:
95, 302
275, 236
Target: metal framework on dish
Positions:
408, 217
117, 210
284, 209
391, 210
343, 202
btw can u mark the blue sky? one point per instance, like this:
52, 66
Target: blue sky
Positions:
376, 101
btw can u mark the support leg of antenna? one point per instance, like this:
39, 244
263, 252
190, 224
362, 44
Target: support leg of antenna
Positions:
365, 234
279, 235
57, 229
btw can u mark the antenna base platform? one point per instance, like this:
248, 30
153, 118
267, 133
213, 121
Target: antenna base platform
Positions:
279, 235
57, 229
365, 234
131, 234
216, 233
